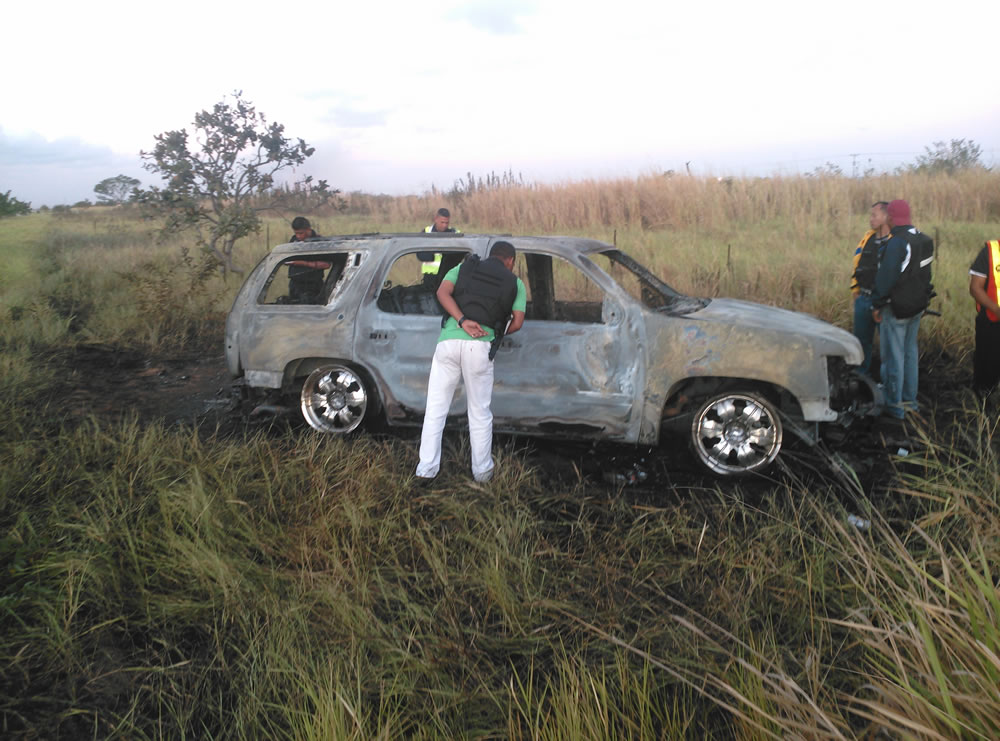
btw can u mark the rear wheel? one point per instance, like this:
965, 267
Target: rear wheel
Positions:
334, 399
736, 433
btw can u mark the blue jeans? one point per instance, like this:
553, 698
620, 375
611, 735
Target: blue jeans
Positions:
899, 362
864, 329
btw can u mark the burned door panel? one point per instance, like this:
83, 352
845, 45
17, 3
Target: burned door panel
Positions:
571, 368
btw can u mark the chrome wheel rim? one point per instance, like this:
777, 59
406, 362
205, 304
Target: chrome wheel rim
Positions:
334, 400
736, 434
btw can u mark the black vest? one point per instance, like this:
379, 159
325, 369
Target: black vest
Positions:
913, 291
485, 291
864, 273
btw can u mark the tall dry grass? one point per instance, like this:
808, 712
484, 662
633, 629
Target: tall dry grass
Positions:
104, 275
657, 202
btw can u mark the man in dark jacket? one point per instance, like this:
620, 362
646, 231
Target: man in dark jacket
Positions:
480, 298
305, 277
901, 293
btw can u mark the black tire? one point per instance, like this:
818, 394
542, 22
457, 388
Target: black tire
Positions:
736, 433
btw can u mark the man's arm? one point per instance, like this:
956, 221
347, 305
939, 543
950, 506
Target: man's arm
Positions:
447, 300
977, 289
516, 323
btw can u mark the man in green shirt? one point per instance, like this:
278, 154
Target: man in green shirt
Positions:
480, 299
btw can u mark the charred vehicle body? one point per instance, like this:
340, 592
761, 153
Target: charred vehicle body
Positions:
608, 351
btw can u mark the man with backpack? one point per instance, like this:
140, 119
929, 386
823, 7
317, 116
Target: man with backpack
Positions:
902, 291
479, 298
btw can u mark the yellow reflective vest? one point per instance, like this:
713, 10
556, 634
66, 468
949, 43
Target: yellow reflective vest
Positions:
991, 277
433, 266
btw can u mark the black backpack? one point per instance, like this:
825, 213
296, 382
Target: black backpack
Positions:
914, 290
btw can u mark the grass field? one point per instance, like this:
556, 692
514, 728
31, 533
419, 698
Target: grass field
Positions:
167, 582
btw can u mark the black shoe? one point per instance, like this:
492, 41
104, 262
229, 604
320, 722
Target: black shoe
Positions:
423, 482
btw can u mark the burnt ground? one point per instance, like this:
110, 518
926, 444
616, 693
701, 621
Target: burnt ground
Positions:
195, 389
111, 383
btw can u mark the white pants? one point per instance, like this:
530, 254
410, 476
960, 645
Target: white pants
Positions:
468, 359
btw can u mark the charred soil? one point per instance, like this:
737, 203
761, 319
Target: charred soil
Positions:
195, 389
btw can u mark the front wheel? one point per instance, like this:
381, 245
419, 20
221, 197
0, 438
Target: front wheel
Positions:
736, 433
334, 399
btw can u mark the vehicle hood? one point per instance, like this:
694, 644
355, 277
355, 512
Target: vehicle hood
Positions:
746, 315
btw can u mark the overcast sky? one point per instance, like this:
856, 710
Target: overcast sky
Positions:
397, 96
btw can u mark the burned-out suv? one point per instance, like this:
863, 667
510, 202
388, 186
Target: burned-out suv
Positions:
607, 351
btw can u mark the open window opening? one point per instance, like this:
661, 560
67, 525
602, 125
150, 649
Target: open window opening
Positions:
413, 280
304, 279
558, 291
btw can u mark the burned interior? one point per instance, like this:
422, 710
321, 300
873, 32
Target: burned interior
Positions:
556, 289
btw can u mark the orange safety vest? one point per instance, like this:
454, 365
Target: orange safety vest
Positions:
991, 278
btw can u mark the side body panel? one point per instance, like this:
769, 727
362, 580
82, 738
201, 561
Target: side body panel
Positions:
273, 336
745, 341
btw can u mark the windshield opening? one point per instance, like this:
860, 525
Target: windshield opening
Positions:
643, 286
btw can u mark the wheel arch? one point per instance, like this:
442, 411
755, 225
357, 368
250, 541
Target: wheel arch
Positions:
686, 393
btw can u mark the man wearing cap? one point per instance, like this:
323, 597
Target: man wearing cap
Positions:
863, 279
984, 277
901, 293
480, 297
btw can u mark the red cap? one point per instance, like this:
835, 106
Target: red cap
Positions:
899, 213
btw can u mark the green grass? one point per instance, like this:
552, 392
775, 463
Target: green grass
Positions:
20, 238
167, 582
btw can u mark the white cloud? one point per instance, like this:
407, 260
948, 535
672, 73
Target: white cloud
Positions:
503, 17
